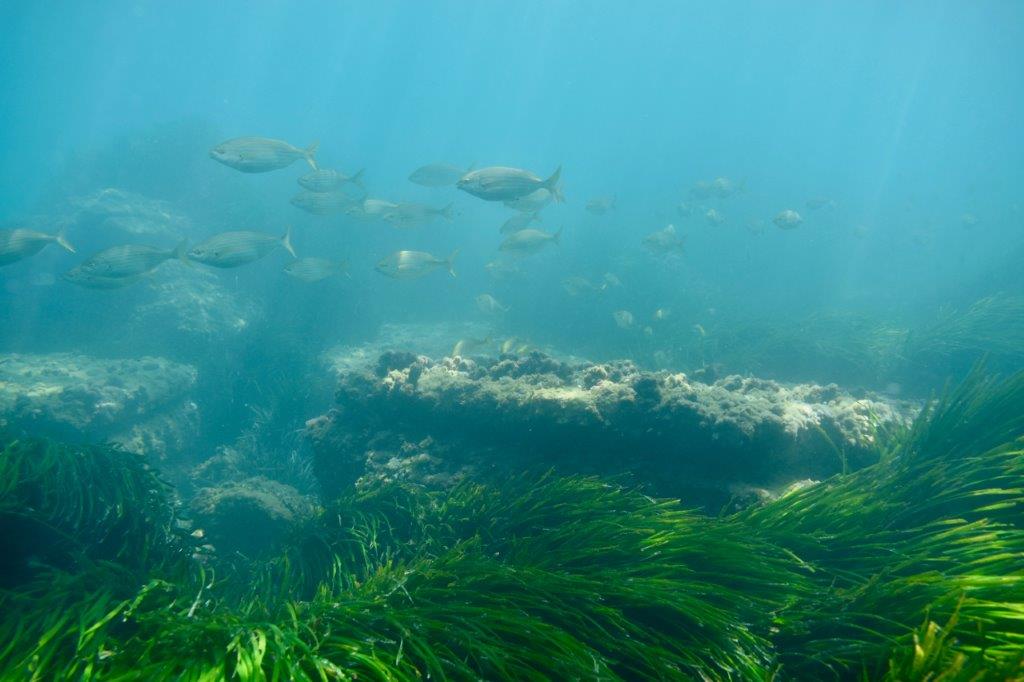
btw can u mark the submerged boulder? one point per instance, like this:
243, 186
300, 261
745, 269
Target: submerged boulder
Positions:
436, 420
251, 516
141, 403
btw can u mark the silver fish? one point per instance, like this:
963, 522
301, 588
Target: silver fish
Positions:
261, 154
623, 318
601, 205
722, 188
316, 269
130, 260
500, 269
489, 305
327, 180
468, 345
532, 202
370, 208
575, 286
714, 217
231, 249
22, 243
91, 281
520, 221
816, 203
787, 220
529, 241
499, 183
409, 214
413, 264
322, 203
437, 175
664, 241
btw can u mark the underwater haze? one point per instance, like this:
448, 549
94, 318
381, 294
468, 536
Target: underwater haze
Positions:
309, 307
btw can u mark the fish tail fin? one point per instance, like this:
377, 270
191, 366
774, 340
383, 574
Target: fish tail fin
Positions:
357, 179
286, 241
310, 153
61, 239
447, 213
181, 253
552, 185
557, 236
450, 262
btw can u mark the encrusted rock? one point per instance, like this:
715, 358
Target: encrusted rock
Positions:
701, 441
251, 516
142, 403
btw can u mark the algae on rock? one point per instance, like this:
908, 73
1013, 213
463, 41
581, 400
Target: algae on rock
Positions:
704, 442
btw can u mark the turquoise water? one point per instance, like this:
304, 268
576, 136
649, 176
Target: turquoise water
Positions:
761, 200
902, 116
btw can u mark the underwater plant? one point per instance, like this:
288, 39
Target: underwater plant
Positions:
991, 328
548, 577
934, 528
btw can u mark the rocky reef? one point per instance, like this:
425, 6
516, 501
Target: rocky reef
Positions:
433, 421
142, 404
251, 516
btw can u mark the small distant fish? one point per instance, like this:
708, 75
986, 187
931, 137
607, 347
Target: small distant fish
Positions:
514, 346
611, 280
722, 188
529, 241
22, 243
665, 241
574, 286
532, 202
817, 203
601, 205
520, 221
787, 220
684, 209
463, 346
316, 269
261, 154
414, 264
714, 217
648, 331
327, 180
861, 231
623, 318
500, 183
410, 214
231, 249
130, 260
700, 330
661, 314
489, 305
500, 269
508, 344
322, 203
968, 220
437, 175
88, 280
